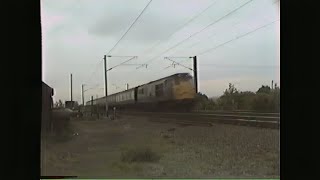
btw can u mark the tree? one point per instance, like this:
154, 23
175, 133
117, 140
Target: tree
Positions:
276, 93
210, 104
231, 90
56, 104
264, 102
228, 100
244, 100
201, 101
200, 96
264, 89
267, 99
60, 104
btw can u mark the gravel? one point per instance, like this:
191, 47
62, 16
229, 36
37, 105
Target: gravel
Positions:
219, 151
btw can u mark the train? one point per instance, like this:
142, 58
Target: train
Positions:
172, 93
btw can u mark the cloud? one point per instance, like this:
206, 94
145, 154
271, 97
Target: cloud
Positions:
153, 25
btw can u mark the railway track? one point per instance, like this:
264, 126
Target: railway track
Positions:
249, 113
209, 119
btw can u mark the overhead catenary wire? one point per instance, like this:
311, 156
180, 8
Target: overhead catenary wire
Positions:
194, 34
217, 65
129, 27
95, 87
188, 58
182, 26
236, 38
179, 63
210, 36
94, 72
239, 66
122, 63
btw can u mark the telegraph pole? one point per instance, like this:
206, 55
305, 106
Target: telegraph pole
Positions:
105, 81
82, 94
71, 85
195, 73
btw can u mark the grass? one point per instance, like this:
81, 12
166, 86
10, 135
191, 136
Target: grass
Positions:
133, 160
135, 156
126, 167
141, 154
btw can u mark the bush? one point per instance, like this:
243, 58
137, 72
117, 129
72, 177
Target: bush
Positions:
245, 100
264, 102
277, 99
226, 103
265, 99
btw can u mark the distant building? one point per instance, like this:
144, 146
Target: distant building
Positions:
71, 104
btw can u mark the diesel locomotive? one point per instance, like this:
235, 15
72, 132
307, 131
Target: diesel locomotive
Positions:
172, 93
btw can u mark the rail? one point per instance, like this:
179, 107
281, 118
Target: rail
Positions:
208, 119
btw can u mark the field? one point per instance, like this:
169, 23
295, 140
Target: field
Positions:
131, 147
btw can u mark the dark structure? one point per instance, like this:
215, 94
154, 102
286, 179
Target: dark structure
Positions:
46, 119
47, 105
71, 87
172, 93
71, 104
195, 73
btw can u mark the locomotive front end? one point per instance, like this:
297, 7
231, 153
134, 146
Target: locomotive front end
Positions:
183, 87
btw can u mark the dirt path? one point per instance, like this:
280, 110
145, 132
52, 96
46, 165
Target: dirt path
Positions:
185, 152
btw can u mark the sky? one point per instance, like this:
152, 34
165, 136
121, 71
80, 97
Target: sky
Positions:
235, 41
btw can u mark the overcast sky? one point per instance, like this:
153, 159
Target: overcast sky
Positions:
77, 33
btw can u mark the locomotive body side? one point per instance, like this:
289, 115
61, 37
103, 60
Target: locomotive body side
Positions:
117, 99
125, 97
172, 93
156, 91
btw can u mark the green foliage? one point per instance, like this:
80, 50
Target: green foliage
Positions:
201, 101
263, 102
276, 93
265, 99
245, 100
201, 97
231, 90
228, 101
210, 104
264, 89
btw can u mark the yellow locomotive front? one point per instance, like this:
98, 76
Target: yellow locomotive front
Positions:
183, 87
